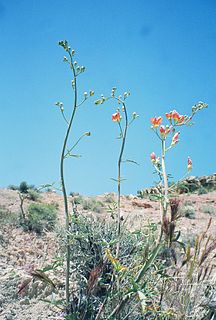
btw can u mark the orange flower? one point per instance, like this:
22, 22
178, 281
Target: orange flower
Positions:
189, 167
169, 115
163, 131
175, 116
181, 119
116, 117
156, 121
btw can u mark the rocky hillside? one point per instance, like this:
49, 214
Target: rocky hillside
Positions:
23, 252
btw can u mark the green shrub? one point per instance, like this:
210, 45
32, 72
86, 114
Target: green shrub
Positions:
202, 190
78, 199
13, 187
7, 217
209, 209
33, 195
188, 211
41, 217
92, 204
90, 240
23, 187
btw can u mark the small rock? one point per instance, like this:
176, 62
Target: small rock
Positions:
24, 301
9, 317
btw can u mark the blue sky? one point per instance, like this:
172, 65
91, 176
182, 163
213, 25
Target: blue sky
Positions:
162, 51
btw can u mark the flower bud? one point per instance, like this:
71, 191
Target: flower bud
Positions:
175, 138
153, 157
189, 166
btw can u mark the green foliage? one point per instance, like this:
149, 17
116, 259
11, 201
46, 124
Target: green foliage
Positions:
100, 277
13, 187
202, 190
26, 188
41, 217
209, 210
23, 187
188, 211
33, 195
93, 204
7, 217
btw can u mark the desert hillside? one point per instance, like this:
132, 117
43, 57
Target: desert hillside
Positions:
22, 252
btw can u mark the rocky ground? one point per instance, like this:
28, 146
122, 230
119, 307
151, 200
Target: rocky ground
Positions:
23, 252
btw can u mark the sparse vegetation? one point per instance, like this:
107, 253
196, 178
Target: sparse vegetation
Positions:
188, 211
7, 217
209, 210
91, 204
41, 217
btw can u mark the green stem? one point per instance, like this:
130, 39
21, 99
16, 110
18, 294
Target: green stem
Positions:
69, 151
124, 134
67, 222
165, 200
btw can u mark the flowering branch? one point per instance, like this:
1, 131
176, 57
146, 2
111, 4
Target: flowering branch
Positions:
175, 120
117, 117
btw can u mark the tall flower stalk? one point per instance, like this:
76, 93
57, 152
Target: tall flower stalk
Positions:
165, 133
121, 114
68, 152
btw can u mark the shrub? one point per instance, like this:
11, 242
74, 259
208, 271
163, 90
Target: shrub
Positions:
33, 195
188, 211
41, 217
93, 258
209, 209
92, 204
13, 187
23, 187
7, 217
202, 190
78, 199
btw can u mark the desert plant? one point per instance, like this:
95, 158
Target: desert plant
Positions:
202, 190
7, 217
92, 204
13, 187
95, 292
121, 112
41, 217
33, 195
188, 211
163, 133
209, 210
68, 151
188, 293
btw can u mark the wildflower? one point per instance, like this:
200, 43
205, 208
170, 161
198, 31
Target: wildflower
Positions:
175, 116
169, 115
156, 121
116, 117
163, 131
189, 166
175, 138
